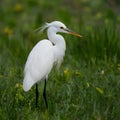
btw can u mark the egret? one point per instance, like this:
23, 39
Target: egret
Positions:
45, 54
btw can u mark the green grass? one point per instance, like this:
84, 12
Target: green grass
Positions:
87, 86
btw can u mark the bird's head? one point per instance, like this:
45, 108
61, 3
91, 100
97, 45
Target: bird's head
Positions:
58, 27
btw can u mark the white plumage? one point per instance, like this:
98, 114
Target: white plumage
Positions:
45, 54
38, 65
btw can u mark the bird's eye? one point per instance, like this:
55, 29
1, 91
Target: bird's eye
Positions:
61, 27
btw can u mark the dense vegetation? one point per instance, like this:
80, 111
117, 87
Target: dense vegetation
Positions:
87, 86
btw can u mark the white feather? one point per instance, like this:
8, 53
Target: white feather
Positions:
39, 63
43, 56
41, 29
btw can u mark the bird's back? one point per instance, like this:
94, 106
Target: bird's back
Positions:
39, 63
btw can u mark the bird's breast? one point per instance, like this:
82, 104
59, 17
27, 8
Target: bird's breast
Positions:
59, 54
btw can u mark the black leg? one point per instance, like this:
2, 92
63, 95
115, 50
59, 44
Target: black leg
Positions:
44, 94
37, 95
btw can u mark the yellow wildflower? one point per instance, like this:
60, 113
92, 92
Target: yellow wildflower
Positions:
102, 72
66, 71
18, 7
118, 65
77, 72
18, 85
8, 31
67, 74
99, 90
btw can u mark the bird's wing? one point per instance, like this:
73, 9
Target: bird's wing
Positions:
39, 63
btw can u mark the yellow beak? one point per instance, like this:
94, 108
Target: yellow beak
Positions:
73, 33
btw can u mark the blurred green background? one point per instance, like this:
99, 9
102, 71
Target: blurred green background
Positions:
87, 86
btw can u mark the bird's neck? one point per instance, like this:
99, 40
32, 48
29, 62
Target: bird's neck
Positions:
59, 45
56, 39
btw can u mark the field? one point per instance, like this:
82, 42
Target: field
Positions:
87, 85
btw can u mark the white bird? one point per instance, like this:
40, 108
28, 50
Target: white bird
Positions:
44, 56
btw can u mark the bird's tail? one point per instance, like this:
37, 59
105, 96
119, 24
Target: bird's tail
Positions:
27, 83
